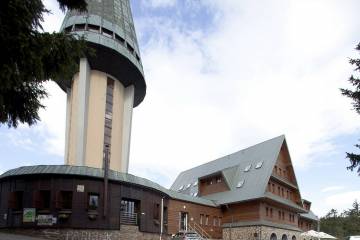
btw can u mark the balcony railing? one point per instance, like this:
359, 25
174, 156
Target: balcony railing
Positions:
128, 218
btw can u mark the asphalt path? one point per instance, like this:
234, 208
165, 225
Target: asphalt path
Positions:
6, 236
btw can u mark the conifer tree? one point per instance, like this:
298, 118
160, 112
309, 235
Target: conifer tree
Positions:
354, 94
29, 57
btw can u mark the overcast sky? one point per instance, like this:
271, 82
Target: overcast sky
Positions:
223, 75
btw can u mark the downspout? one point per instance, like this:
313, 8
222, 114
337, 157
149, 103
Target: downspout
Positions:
161, 217
106, 178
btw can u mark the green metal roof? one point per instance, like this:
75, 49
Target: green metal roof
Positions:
99, 173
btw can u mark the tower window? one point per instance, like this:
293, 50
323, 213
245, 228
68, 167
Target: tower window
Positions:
79, 27
107, 32
93, 28
108, 112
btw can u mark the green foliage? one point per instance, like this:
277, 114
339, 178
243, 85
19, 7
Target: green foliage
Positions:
354, 94
341, 225
29, 57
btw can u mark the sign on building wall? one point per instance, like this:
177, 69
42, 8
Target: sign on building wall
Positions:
80, 188
45, 220
29, 215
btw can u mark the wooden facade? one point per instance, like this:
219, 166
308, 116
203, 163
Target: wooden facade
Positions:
208, 218
212, 184
50, 194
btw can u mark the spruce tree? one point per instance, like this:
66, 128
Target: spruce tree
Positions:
29, 57
354, 94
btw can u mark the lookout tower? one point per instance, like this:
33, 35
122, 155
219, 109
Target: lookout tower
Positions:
109, 84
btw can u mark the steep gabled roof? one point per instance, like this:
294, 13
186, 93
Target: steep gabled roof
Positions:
232, 168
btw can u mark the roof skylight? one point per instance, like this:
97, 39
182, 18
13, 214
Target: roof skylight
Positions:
195, 194
259, 164
240, 184
181, 187
189, 185
195, 183
247, 168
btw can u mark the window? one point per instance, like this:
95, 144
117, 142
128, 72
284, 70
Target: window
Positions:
273, 188
15, 200
64, 200
269, 187
107, 32
128, 206
273, 237
93, 28
108, 114
282, 192
279, 214
240, 184
279, 190
283, 216
129, 47
247, 168
259, 164
218, 179
215, 222
93, 201
156, 211
219, 222
207, 220
267, 211
119, 39
79, 27
45, 199
279, 171
201, 219
271, 212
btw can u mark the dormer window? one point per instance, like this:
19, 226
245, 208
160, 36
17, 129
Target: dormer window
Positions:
240, 184
218, 179
247, 168
259, 165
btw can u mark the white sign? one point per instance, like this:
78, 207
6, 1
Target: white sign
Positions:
80, 188
45, 220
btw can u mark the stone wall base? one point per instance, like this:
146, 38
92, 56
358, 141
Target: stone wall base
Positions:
126, 233
258, 233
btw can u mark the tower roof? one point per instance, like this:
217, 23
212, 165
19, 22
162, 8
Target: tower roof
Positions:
108, 27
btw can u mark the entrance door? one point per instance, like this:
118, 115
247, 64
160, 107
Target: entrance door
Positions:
183, 221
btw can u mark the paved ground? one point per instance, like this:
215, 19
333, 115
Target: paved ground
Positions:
6, 236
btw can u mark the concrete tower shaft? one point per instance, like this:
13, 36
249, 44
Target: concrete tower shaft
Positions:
101, 96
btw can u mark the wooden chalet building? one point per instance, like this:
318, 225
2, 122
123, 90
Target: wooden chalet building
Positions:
250, 194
